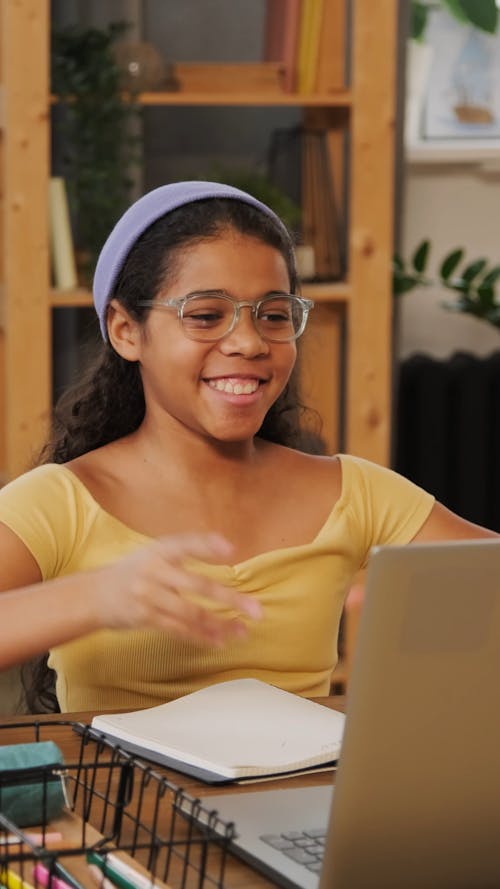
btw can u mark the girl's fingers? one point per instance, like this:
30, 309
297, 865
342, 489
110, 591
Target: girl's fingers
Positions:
188, 584
165, 593
191, 583
195, 624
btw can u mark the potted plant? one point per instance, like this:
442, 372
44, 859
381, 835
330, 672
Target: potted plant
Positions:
473, 283
93, 120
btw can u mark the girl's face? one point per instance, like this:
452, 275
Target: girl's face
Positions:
222, 390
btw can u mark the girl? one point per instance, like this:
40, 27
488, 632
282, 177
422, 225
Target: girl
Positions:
188, 427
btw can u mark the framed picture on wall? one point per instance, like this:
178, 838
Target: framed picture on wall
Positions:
462, 100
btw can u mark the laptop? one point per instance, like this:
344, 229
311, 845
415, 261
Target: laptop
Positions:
416, 801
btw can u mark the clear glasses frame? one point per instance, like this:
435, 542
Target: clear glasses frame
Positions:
256, 308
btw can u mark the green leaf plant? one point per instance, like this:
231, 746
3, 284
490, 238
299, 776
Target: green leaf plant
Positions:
473, 282
93, 120
482, 14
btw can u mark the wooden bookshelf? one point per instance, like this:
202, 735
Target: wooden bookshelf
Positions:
351, 319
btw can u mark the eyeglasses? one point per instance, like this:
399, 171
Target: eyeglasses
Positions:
208, 317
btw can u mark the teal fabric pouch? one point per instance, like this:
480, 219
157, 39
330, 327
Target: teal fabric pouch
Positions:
31, 783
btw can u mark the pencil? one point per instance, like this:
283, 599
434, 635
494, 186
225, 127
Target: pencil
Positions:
44, 877
99, 877
13, 881
48, 839
121, 874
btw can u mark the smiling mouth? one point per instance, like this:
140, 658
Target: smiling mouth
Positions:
235, 386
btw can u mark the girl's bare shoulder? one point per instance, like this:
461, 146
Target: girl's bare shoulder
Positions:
314, 472
99, 468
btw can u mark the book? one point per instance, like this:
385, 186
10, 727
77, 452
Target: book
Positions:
61, 238
308, 48
240, 729
320, 222
331, 73
281, 38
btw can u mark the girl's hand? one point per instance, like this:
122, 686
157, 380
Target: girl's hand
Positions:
153, 589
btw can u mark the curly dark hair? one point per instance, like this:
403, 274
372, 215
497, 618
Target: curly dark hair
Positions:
108, 401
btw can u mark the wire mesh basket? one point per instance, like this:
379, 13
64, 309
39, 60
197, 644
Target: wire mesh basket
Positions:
117, 808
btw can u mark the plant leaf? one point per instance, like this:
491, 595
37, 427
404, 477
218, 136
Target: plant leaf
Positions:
474, 269
419, 14
457, 284
404, 283
450, 263
455, 8
421, 256
397, 263
494, 316
492, 277
486, 296
482, 14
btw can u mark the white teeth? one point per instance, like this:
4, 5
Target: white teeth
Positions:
236, 388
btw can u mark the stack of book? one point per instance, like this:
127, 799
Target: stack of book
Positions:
293, 33
299, 163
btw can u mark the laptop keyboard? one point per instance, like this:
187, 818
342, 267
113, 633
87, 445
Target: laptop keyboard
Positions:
303, 846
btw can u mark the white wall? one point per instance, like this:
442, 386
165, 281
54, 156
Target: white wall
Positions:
454, 205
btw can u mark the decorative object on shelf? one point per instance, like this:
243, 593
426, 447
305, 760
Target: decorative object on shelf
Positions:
229, 77
473, 283
306, 262
453, 60
95, 126
143, 68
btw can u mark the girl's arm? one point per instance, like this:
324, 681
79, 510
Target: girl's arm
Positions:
151, 588
442, 524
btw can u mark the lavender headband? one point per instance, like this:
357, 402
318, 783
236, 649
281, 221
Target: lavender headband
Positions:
140, 216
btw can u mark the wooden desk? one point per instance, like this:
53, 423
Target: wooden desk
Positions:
237, 875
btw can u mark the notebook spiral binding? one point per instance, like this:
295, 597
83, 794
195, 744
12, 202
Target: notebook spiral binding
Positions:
118, 804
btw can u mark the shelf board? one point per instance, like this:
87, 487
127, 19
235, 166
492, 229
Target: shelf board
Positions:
70, 299
337, 292
341, 99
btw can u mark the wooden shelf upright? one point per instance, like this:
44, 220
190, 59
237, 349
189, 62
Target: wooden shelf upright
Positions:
24, 258
360, 307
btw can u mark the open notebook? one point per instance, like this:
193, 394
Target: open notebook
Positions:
233, 730
416, 802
